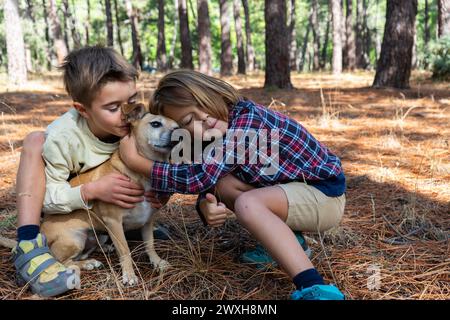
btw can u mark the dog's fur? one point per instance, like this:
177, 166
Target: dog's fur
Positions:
71, 237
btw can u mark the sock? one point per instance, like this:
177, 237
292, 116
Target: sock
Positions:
27, 232
307, 278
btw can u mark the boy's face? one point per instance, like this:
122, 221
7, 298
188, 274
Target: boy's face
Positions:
104, 116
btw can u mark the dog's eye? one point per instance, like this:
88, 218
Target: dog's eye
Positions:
156, 124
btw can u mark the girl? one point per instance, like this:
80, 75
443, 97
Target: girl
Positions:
302, 188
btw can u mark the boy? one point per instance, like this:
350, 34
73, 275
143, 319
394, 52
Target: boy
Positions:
99, 81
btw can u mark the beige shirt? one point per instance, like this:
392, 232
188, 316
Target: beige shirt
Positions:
70, 148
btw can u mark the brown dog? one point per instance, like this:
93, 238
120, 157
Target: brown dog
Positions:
71, 237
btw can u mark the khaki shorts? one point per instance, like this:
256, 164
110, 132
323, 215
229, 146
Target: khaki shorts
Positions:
310, 210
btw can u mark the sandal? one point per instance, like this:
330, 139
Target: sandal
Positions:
37, 267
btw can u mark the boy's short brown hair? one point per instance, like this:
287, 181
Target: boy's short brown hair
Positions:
87, 69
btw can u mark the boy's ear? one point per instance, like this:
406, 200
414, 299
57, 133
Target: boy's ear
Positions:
133, 111
81, 109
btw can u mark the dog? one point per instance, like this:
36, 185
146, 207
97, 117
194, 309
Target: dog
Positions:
72, 237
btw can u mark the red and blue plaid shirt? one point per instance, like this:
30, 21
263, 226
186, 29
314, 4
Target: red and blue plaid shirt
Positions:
301, 158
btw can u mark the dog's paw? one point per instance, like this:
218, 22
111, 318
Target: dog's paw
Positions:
108, 248
91, 264
161, 265
130, 279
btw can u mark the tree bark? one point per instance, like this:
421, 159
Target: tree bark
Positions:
119, 37
15, 47
323, 60
204, 38
137, 52
292, 39
70, 16
109, 24
248, 34
48, 51
185, 37
305, 45
60, 45
174, 37
314, 21
349, 57
278, 73
226, 58
87, 23
239, 41
443, 18
394, 65
161, 54
336, 12
426, 27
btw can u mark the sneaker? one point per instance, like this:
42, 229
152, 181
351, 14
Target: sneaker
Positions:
262, 258
37, 267
318, 292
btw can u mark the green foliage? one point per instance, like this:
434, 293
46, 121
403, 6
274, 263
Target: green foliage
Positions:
440, 58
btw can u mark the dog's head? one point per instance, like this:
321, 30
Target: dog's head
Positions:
152, 132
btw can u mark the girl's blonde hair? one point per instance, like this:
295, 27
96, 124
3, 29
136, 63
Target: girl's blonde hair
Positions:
184, 88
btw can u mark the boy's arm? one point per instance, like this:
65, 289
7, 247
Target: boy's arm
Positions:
60, 197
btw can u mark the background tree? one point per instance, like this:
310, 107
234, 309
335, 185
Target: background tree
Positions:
336, 12
292, 38
443, 17
161, 55
394, 64
109, 24
349, 58
239, 41
118, 22
248, 41
204, 38
185, 37
137, 52
316, 35
226, 58
17, 69
58, 41
277, 47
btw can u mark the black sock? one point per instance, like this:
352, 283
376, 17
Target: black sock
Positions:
27, 232
307, 278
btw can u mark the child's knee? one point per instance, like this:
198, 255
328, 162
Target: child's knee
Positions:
243, 207
33, 142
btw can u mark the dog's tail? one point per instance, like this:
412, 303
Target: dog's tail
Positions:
8, 243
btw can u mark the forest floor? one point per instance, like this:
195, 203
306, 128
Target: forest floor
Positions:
393, 242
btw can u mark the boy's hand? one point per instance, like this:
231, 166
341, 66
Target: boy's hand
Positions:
114, 188
215, 213
157, 200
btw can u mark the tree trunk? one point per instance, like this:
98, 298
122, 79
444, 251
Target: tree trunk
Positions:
60, 45
161, 54
109, 24
394, 65
336, 12
17, 68
204, 38
137, 52
30, 11
443, 18
239, 41
174, 36
278, 73
426, 31
87, 23
314, 21
349, 57
323, 60
292, 39
305, 45
226, 58
70, 16
250, 51
185, 37
66, 28
119, 37
48, 49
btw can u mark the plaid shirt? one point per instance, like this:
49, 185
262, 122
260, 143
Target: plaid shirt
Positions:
301, 157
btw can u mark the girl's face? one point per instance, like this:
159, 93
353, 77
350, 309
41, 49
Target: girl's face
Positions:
192, 117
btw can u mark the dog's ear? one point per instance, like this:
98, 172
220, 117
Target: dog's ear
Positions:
133, 111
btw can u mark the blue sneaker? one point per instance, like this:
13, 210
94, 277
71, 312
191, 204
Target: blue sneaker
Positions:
262, 258
318, 292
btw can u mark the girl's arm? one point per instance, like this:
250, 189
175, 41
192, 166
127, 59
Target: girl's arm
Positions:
131, 157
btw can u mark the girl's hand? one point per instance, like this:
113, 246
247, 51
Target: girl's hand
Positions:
157, 200
132, 159
215, 213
